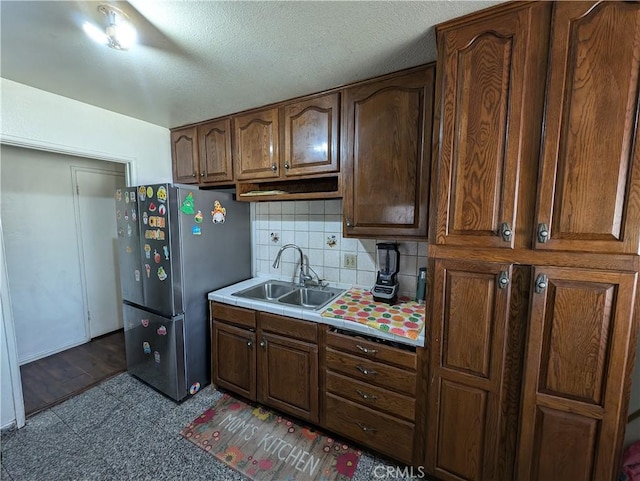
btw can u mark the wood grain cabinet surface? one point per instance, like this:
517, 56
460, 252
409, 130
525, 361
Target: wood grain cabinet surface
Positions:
579, 357
216, 163
386, 136
184, 153
267, 358
488, 117
256, 145
589, 192
477, 332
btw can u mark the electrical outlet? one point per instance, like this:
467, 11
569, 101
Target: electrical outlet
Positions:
350, 261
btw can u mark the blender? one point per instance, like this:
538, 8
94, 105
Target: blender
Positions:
386, 286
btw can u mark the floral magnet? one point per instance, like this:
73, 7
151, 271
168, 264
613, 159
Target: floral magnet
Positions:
188, 205
147, 251
142, 193
218, 213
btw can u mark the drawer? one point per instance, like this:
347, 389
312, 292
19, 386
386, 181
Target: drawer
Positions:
372, 396
372, 350
233, 315
385, 434
372, 372
289, 327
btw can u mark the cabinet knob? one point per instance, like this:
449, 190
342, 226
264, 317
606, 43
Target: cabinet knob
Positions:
286, 165
250, 343
505, 231
349, 223
543, 233
274, 167
503, 279
202, 174
541, 283
366, 350
193, 175
365, 428
263, 344
366, 372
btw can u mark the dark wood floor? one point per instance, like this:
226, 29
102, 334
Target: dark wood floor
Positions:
53, 379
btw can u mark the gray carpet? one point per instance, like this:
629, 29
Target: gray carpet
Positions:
124, 430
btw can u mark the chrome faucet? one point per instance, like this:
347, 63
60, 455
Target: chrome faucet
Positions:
304, 278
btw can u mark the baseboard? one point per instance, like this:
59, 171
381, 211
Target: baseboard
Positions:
42, 354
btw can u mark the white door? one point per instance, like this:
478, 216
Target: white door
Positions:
97, 233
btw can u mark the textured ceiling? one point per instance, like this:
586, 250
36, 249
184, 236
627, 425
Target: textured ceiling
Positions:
200, 60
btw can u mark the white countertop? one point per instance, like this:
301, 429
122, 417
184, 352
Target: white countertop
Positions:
225, 296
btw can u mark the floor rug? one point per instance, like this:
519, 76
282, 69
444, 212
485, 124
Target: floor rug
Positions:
265, 446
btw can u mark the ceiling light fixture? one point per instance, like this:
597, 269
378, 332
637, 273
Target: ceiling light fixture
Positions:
119, 33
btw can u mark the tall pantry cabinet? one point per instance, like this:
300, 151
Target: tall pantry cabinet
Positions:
534, 243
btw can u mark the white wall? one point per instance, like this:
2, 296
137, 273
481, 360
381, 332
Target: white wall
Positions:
33, 118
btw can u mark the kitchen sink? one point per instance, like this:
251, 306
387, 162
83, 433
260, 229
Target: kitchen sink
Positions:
312, 298
267, 291
288, 293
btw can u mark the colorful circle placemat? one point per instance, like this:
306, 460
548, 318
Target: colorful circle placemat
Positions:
405, 318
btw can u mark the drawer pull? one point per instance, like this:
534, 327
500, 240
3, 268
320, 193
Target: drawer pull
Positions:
366, 396
366, 350
365, 428
366, 372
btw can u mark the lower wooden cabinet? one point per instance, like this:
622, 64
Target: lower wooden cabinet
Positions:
476, 336
266, 358
370, 394
578, 367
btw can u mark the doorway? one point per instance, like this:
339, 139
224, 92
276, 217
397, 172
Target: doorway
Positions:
60, 261
97, 243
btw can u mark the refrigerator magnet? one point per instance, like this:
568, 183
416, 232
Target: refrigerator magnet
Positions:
198, 217
188, 205
162, 210
132, 195
118, 215
195, 230
147, 267
134, 216
218, 213
165, 249
150, 192
156, 356
142, 193
162, 275
146, 347
162, 194
119, 195
162, 331
126, 214
152, 207
129, 230
144, 322
195, 387
145, 218
156, 256
137, 274
128, 249
126, 197
147, 251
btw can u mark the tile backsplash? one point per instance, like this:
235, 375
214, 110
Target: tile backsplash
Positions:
316, 227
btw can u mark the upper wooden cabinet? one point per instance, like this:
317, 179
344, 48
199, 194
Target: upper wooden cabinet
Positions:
214, 140
184, 151
488, 116
577, 374
386, 136
202, 154
311, 136
589, 192
256, 146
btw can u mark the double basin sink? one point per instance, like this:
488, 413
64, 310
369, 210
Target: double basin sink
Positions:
281, 292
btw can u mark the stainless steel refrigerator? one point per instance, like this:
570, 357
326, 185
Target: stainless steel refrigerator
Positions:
176, 244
